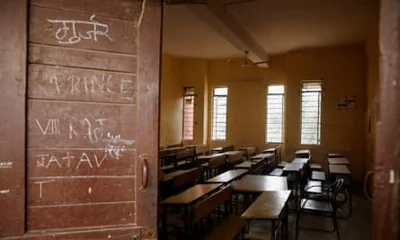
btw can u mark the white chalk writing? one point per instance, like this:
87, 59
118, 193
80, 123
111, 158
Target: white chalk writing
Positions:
4, 191
67, 33
68, 160
116, 145
93, 130
85, 84
6, 164
41, 186
52, 127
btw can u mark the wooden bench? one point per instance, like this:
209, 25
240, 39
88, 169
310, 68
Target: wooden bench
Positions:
282, 164
215, 166
318, 175
188, 179
229, 229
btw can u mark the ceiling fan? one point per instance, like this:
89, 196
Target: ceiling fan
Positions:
246, 62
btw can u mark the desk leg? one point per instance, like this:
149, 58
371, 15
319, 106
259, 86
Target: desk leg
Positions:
273, 230
186, 222
164, 222
286, 221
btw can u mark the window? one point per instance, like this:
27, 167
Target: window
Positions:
220, 97
275, 113
188, 113
311, 113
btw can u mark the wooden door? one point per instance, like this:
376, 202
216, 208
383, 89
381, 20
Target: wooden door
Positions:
82, 115
386, 222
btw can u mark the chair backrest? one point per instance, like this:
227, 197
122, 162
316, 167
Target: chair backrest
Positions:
211, 202
189, 178
175, 145
186, 153
227, 148
335, 188
217, 162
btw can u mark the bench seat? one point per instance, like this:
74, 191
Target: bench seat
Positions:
276, 172
229, 229
315, 166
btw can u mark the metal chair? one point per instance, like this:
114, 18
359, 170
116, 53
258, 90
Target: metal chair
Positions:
324, 204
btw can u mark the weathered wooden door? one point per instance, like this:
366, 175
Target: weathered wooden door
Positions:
79, 118
386, 222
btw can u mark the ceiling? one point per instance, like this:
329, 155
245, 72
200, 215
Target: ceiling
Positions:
278, 26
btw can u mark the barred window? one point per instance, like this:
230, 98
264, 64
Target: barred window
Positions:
275, 113
188, 113
220, 97
311, 112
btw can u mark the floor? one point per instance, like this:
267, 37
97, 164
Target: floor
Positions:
358, 227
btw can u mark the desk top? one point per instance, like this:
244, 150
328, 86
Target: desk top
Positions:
334, 155
269, 150
262, 156
260, 183
293, 167
269, 205
244, 165
209, 157
250, 150
191, 195
228, 176
303, 151
301, 160
339, 169
338, 161
170, 176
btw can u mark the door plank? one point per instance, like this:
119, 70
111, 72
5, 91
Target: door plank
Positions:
387, 165
53, 218
81, 125
149, 46
81, 30
13, 39
63, 83
79, 163
117, 9
58, 192
68, 57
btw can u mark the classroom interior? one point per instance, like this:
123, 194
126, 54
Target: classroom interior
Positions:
263, 107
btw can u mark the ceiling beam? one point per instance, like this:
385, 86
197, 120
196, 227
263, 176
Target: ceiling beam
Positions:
215, 14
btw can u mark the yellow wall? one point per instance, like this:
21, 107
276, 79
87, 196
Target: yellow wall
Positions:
343, 70
371, 118
171, 102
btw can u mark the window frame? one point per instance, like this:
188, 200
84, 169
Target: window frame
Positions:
319, 120
185, 95
283, 95
213, 137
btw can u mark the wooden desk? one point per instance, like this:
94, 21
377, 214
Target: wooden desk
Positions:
244, 165
338, 161
270, 206
305, 151
217, 150
335, 155
339, 169
262, 156
269, 150
170, 176
293, 167
191, 195
206, 158
260, 183
228, 176
301, 160
249, 150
